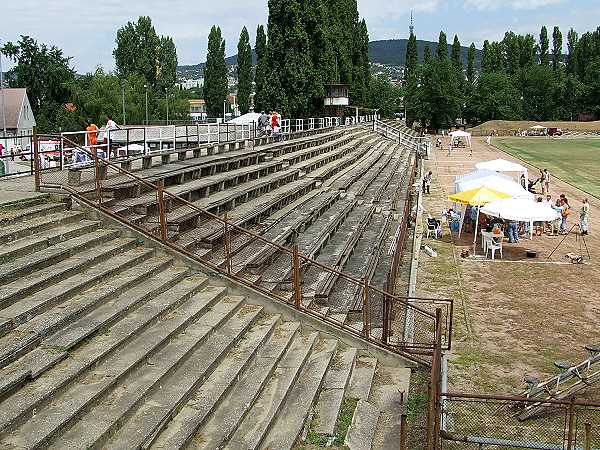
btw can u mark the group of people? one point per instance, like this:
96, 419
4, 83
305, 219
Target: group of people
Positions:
270, 124
543, 180
92, 135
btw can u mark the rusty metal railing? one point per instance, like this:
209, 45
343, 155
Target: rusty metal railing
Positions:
278, 271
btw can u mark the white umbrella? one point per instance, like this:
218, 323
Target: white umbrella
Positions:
478, 174
502, 165
538, 127
521, 210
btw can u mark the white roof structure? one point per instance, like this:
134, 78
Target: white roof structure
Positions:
459, 134
478, 173
497, 182
520, 210
246, 119
502, 165
538, 127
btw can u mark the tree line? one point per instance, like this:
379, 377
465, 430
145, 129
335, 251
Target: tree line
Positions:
306, 44
521, 78
61, 100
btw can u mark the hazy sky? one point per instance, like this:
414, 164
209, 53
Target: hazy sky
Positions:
88, 33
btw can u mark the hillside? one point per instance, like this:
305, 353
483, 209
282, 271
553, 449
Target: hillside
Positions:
389, 52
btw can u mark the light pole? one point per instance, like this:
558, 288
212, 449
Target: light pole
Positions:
146, 87
224, 103
167, 98
123, 100
2, 92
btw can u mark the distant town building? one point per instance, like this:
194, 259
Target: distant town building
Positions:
190, 84
16, 113
198, 109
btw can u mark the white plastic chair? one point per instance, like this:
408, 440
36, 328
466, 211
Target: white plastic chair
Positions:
431, 229
495, 243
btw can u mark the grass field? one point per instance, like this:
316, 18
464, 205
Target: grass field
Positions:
576, 161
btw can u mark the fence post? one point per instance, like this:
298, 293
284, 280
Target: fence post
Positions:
403, 424
97, 175
227, 245
588, 436
365, 308
386, 316
162, 210
296, 276
571, 424
36, 160
433, 413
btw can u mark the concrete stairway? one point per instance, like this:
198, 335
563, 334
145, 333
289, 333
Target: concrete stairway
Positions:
109, 343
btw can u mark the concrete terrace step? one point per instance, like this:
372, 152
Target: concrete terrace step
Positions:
137, 403
251, 431
158, 342
29, 263
332, 394
298, 405
44, 239
390, 385
362, 429
69, 270
217, 428
213, 369
129, 333
362, 378
37, 224
12, 216
76, 318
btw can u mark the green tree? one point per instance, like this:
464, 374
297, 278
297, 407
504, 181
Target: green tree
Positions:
47, 75
485, 57
557, 43
384, 96
289, 62
427, 54
411, 77
544, 47
137, 50
471, 64
244, 71
317, 26
512, 52
362, 69
495, 98
411, 59
528, 50
539, 91
215, 74
438, 97
442, 48
456, 58
572, 41
261, 71
167, 59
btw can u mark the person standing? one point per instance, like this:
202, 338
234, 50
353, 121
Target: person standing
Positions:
92, 135
110, 127
546, 181
513, 232
584, 216
565, 211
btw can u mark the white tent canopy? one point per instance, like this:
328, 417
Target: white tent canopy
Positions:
502, 165
459, 134
246, 119
520, 210
497, 182
538, 127
479, 173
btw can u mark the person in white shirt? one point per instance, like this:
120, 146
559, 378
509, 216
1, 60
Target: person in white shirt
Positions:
110, 126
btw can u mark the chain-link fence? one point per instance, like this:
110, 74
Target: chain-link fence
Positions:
490, 423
